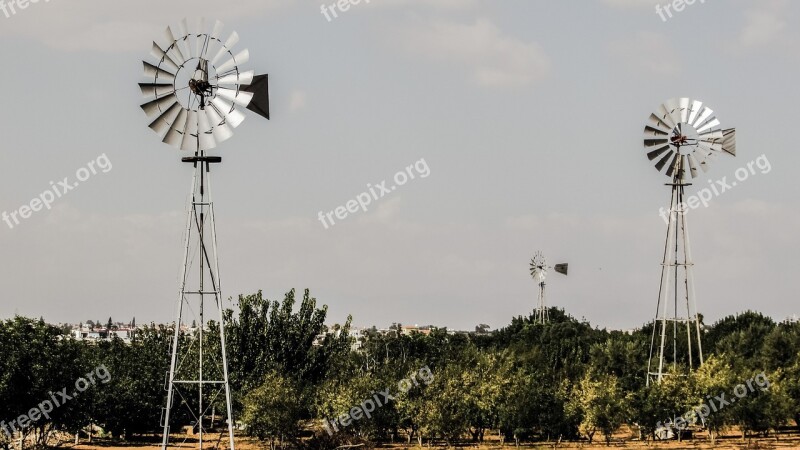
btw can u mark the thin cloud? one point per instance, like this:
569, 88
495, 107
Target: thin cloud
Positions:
297, 100
628, 4
439, 4
491, 58
763, 25
95, 25
647, 53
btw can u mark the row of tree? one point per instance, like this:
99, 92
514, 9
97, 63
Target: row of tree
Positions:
563, 380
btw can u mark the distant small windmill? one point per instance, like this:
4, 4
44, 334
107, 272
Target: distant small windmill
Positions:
682, 136
539, 269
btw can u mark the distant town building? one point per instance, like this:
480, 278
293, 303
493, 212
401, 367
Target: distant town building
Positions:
94, 333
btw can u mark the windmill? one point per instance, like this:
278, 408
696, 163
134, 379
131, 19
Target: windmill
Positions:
682, 136
193, 90
539, 267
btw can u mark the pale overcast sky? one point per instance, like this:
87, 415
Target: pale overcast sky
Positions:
529, 115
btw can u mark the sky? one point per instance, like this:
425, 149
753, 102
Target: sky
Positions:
525, 115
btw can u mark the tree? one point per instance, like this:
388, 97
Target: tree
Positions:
35, 362
664, 403
268, 336
740, 338
791, 383
130, 403
482, 328
602, 405
764, 407
713, 378
484, 379
272, 411
623, 356
446, 405
336, 398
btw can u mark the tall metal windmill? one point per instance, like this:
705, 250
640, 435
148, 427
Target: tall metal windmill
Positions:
193, 91
539, 267
681, 136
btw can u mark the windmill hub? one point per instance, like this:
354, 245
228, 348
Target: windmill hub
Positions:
200, 87
198, 91
684, 137
199, 84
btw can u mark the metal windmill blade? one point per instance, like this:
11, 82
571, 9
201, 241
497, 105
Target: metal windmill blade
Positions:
192, 98
683, 135
538, 267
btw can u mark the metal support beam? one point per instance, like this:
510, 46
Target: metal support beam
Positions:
191, 363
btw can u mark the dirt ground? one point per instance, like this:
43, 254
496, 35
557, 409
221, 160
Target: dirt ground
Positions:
730, 442
722, 444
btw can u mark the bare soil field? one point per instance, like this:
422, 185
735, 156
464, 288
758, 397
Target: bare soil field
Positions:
732, 441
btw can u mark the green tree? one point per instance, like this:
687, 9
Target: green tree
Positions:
791, 384
446, 403
272, 411
602, 405
763, 407
267, 336
740, 338
713, 378
130, 403
37, 361
622, 355
663, 403
336, 398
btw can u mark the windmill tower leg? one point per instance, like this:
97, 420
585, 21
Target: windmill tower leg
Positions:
676, 290
542, 313
184, 376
